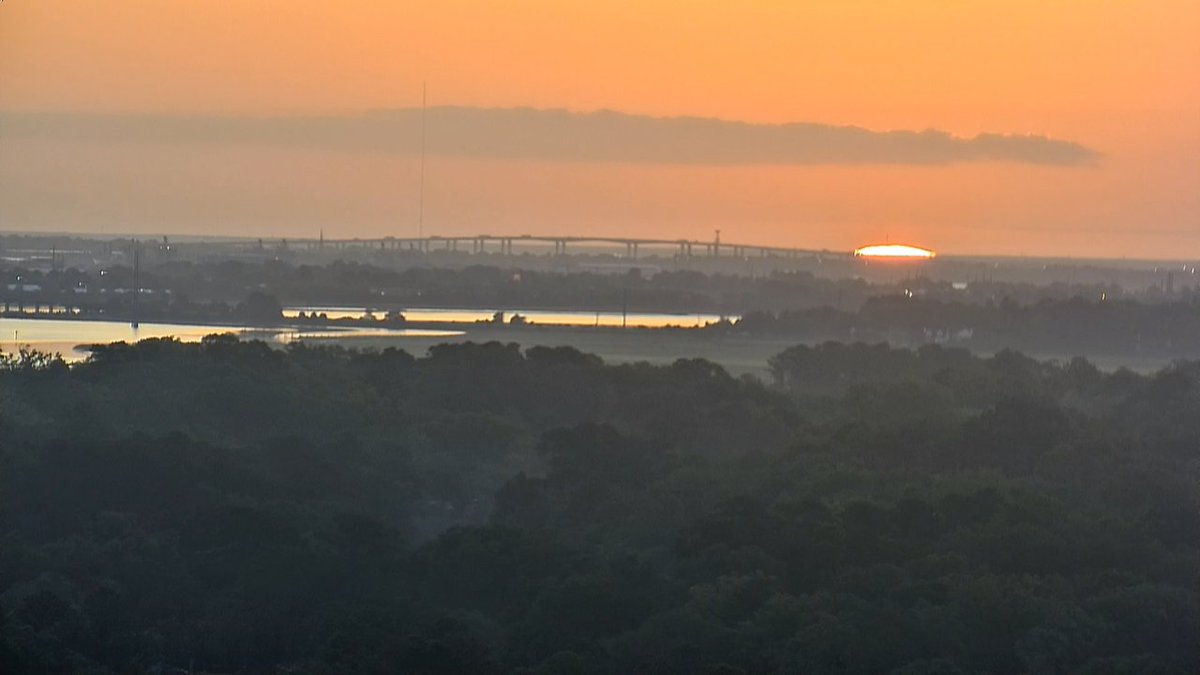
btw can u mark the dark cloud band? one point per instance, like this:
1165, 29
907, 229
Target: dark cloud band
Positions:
559, 135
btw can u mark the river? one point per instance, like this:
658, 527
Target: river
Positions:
534, 316
66, 336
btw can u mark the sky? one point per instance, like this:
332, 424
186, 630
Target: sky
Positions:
1010, 127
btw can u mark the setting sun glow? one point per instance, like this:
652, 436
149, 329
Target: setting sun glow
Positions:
893, 251
1021, 127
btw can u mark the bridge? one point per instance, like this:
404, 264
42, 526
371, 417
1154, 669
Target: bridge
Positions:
504, 245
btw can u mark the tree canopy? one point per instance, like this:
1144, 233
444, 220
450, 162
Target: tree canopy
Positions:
229, 507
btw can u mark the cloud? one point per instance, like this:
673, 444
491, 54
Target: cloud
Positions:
559, 135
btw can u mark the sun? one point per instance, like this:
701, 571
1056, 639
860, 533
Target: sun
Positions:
893, 251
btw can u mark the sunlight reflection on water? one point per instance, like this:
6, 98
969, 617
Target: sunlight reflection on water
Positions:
540, 317
70, 337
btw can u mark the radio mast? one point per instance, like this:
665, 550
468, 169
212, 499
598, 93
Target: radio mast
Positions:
421, 189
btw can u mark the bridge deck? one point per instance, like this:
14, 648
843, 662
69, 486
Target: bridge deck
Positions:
560, 243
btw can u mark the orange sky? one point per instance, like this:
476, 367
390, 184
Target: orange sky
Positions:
1120, 77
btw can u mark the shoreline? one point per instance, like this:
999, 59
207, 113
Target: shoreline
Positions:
738, 352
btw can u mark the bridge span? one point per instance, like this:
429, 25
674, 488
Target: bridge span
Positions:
560, 244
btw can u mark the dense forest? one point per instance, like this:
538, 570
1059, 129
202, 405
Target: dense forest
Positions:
1093, 326
228, 507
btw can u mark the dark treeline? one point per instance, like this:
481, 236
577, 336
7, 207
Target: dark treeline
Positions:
207, 290
226, 507
189, 288
1068, 326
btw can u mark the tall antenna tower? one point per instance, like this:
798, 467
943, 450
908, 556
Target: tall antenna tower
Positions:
421, 189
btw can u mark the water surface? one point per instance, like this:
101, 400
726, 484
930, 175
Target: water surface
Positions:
71, 337
535, 316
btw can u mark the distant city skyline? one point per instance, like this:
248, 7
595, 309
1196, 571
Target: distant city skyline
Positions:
1057, 129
